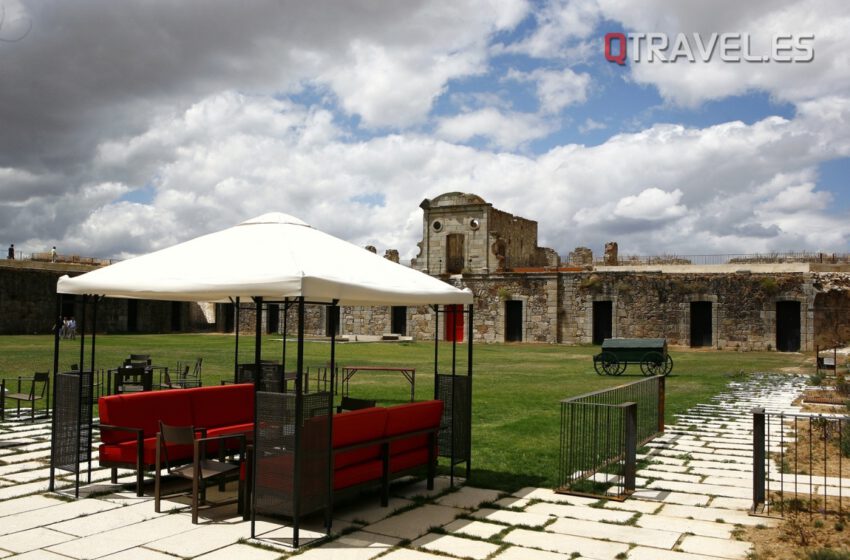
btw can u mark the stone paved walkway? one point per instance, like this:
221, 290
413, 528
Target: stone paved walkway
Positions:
692, 494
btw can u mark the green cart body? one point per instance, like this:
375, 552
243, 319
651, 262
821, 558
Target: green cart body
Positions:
650, 353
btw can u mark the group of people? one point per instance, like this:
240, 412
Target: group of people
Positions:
68, 329
10, 254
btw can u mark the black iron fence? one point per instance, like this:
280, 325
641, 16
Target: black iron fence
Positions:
600, 434
800, 463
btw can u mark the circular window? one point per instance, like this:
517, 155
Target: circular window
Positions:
437, 225
474, 224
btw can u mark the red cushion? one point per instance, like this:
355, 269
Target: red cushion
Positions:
347, 458
223, 405
412, 417
355, 474
126, 452
144, 410
409, 460
358, 426
247, 429
408, 444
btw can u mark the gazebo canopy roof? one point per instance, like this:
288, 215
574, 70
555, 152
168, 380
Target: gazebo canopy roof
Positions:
274, 256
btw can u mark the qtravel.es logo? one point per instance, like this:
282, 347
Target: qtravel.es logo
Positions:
693, 47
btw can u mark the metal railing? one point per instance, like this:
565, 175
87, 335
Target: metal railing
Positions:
600, 434
800, 464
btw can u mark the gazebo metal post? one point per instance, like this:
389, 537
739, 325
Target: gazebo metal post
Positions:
329, 504
56, 329
258, 339
236, 351
82, 361
469, 373
285, 326
299, 409
95, 299
257, 352
454, 390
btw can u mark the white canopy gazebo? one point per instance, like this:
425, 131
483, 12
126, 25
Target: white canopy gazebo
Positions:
277, 258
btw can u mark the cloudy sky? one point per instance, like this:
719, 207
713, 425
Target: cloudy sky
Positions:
129, 126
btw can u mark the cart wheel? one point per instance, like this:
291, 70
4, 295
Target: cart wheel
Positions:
597, 364
621, 368
610, 363
652, 364
668, 365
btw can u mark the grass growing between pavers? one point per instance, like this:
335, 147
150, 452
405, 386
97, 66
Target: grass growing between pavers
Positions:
517, 388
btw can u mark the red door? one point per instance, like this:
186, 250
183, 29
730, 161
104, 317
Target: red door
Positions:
454, 323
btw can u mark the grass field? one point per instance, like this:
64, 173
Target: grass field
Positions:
516, 391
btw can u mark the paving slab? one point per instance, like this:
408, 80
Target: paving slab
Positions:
547, 495
33, 539
711, 514
355, 546
370, 510
29, 503
124, 538
139, 554
524, 518
405, 554
242, 552
581, 512
456, 546
702, 488
18, 467
668, 497
108, 520
414, 523
731, 503
480, 529
566, 544
36, 555
644, 553
420, 489
662, 467
633, 505
720, 548
520, 553
663, 475
618, 533
720, 471
206, 538
698, 527
468, 497
512, 502
48, 516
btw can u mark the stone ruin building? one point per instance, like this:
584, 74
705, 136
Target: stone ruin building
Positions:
523, 293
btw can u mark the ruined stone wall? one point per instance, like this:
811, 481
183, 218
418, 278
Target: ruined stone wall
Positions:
832, 310
540, 306
658, 305
520, 236
453, 215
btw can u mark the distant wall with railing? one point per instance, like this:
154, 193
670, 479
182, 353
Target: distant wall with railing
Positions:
731, 258
600, 434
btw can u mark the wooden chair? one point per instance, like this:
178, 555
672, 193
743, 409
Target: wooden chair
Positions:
133, 379
201, 470
42, 378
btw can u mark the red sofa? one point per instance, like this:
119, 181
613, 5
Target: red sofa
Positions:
370, 446
375, 444
129, 422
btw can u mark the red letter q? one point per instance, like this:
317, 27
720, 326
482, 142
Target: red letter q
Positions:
620, 57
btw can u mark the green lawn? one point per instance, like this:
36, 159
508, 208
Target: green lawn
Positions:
516, 392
